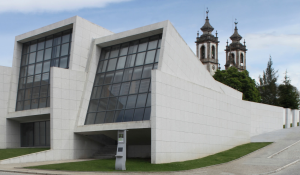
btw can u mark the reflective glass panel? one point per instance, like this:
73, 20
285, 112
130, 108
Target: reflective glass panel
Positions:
122, 85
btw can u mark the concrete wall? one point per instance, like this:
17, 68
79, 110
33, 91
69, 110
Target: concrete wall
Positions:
265, 118
5, 74
190, 121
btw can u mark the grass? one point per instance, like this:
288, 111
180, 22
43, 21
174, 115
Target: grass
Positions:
9, 153
145, 164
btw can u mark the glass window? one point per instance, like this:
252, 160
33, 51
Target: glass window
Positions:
119, 116
24, 60
49, 41
99, 79
33, 46
131, 101
96, 92
121, 62
118, 76
141, 100
147, 114
124, 49
48, 54
122, 102
127, 75
56, 52
29, 82
65, 49
109, 77
28, 94
35, 68
41, 44
115, 89
144, 85
93, 106
124, 88
138, 114
134, 88
35, 92
150, 56
37, 80
143, 45
45, 78
140, 59
133, 47
46, 66
44, 91
66, 38
112, 64
105, 91
40, 55
100, 117
23, 71
109, 118
32, 57
147, 71
105, 53
137, 73
149, 100
63, 62
157, 55
102, 66
123, 80
128, 115
130, 60
114, 51
90, 118
21, 95
112, 103
38, 68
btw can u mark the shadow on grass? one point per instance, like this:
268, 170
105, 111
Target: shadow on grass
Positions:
145, 164
10, 153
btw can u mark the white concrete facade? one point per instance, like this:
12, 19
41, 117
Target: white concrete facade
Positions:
192, 115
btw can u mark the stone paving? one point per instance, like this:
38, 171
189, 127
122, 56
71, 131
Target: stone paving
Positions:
254, 163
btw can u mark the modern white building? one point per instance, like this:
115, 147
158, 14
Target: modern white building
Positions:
74, 84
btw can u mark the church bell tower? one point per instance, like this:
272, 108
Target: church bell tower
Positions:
236, 51
207, 47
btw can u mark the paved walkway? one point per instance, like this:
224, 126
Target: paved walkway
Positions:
260, 162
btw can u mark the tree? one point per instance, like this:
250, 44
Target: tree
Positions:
288, 94
239, 81
267, 85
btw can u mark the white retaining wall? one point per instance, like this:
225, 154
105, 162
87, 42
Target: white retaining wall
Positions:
5, 73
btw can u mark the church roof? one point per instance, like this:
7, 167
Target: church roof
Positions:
236, 36
207, 27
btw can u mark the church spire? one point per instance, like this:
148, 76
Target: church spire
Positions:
207, 28
236, 37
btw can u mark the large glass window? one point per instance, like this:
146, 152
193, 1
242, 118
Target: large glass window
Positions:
122, 90
37, 58
35, 134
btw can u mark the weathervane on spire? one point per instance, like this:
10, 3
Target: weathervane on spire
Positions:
235, 22
207, 11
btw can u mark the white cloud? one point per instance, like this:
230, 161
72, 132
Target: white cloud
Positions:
27, 6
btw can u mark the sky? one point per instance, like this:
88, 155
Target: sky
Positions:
269, 27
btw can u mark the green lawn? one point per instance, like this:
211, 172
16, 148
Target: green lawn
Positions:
9, 153
145, 164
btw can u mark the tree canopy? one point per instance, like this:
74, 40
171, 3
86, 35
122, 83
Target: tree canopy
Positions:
288, 94
239, 81
267, 85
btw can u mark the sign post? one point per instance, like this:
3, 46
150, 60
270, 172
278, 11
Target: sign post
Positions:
121, 151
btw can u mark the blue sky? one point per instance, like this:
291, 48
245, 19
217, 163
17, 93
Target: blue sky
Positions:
270, 27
